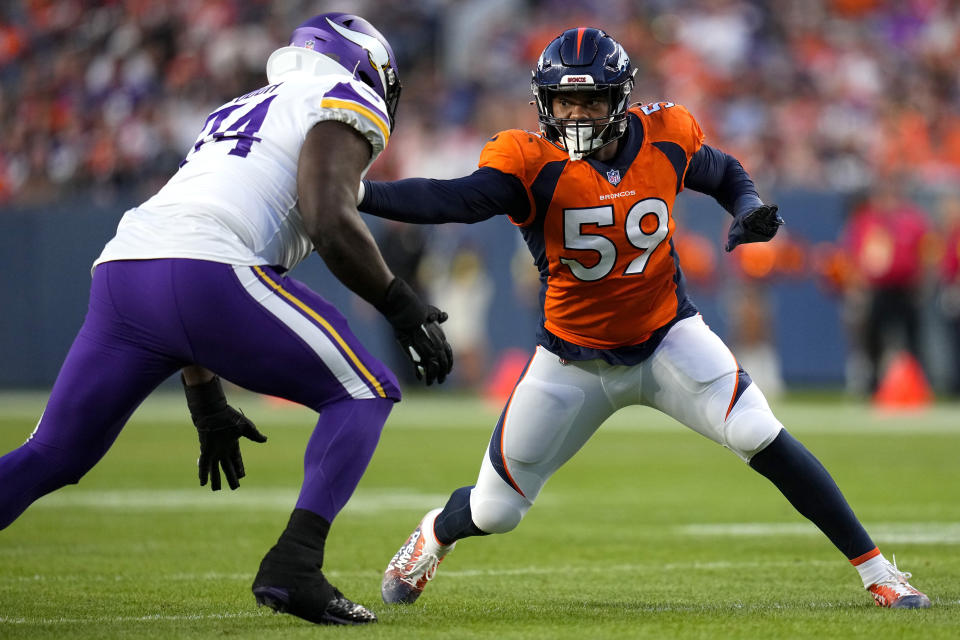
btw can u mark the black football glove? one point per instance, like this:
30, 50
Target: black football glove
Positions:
219, 427
759, 225
417, 328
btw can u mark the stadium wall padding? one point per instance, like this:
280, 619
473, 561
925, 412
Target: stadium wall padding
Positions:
46, 252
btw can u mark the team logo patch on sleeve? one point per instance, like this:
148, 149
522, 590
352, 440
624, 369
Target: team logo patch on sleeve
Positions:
613, 176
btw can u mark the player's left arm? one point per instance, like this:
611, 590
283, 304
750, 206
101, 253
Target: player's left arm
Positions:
219, 427
721, 176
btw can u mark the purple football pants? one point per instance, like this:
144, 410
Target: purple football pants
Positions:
251, 325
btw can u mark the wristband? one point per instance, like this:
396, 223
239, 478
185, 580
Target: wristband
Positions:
206, 398
401, 306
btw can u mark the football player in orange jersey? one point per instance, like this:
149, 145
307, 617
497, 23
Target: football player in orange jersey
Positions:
592, 194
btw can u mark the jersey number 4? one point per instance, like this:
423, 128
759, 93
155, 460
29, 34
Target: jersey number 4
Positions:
645, 227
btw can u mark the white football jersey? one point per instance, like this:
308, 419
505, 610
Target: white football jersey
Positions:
234, 197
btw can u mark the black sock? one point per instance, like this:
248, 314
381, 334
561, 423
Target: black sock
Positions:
810, 489
455, 521
298, 552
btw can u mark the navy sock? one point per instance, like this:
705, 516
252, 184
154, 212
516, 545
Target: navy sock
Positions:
455, 521
810, 489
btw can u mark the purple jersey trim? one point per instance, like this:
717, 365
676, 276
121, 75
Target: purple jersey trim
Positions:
345, 91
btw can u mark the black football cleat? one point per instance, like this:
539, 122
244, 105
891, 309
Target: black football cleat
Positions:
325, 605
290, 579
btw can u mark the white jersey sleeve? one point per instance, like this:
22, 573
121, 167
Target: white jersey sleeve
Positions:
234, 198
354, 103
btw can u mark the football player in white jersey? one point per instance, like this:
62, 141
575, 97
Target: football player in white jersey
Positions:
195, 279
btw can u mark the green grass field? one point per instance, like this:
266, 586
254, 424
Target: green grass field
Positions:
651, 532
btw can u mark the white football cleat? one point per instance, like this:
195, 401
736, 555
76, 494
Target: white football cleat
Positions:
895, 592
415, 564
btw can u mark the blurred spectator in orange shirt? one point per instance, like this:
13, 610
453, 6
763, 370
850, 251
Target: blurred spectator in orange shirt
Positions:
886, 237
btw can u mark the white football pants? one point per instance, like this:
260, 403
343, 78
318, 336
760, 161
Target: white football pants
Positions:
556, 406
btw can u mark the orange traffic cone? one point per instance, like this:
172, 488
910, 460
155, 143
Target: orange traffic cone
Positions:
904, 386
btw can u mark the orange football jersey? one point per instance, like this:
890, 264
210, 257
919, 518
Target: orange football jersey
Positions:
601, 233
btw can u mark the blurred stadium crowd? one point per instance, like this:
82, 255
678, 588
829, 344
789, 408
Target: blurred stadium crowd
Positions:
819, 93
105, 96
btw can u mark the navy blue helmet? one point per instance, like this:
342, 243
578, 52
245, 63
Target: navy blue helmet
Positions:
583, 59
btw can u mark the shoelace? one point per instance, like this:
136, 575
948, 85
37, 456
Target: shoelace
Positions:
897, 580
427, 563
902, 576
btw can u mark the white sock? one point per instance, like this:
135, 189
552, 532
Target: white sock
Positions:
873, 570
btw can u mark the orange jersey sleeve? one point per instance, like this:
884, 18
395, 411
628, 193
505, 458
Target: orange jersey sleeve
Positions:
669, 121
522, 154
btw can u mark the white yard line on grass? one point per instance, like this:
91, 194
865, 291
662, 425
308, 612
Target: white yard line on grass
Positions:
440, 411
379, 501
251, 498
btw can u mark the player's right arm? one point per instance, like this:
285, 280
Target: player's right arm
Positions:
327, 192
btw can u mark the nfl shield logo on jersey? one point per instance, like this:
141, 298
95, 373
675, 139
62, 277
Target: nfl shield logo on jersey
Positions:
614, 176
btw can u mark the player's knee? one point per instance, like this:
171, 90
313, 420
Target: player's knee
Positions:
494, 515
751, 426
751, 432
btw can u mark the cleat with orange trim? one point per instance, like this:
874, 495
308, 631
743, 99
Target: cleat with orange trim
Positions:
415, 564
894, 592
